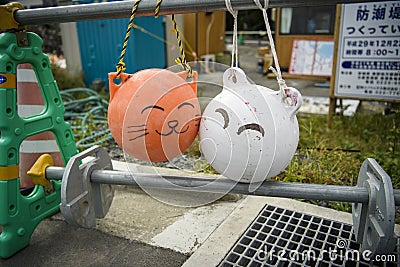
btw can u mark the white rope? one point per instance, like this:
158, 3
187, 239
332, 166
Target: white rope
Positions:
277, 69
235, 51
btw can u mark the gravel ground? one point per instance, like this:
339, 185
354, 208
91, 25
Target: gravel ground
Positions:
182, 162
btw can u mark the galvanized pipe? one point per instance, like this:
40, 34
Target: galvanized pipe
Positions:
221, 185
122, 9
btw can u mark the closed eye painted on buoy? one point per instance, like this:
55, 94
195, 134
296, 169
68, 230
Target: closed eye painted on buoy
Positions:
224, 115
251, 126
152, 106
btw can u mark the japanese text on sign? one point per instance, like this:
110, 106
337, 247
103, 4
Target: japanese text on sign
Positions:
368, 60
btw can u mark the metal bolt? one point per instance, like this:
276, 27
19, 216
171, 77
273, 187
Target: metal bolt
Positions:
23, 42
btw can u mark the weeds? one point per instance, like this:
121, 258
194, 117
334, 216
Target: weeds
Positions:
334, 155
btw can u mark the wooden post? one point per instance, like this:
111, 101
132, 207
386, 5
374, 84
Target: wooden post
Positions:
332, 99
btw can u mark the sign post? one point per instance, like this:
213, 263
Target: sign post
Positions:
367, 47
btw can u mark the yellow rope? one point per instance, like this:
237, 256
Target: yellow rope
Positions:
181, 60
121, 64
188, 47
157, 10
187, 44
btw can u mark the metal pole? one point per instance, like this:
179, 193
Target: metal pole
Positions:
221, 185
122, 9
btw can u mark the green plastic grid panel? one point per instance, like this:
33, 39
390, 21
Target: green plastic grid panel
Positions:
281, 237
20, 214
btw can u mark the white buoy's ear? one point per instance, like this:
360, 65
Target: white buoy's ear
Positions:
234, 78
293, 99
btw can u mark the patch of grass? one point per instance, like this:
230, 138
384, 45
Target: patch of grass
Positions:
321, 165
351, 140
334, 155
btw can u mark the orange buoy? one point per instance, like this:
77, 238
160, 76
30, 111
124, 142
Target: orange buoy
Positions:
154, 114
30, 102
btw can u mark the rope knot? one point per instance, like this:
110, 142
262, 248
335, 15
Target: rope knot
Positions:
182, 59
121, 66
281, 81
185, 66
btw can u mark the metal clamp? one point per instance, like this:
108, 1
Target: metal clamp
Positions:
81, 200
8, 21
373, 223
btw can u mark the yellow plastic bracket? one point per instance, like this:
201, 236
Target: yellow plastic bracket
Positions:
38, 172
9, 172
8, 21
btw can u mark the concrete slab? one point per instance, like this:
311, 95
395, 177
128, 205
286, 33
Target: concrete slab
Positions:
136, 215
192, 229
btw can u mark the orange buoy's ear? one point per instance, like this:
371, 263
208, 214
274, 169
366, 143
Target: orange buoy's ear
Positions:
193, 83
113, 87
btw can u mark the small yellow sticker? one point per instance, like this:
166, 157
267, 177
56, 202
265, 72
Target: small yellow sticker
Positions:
8, 80
9, 172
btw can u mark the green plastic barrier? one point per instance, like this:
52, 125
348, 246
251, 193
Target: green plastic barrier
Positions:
19, 215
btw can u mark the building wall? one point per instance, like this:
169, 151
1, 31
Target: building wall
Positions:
101, 41
205, 33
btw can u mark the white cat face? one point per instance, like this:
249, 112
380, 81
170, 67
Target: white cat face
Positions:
238, 130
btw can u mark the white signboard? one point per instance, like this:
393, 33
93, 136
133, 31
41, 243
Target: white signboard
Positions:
311, 57
368, 62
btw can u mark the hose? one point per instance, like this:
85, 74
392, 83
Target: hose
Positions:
86, 111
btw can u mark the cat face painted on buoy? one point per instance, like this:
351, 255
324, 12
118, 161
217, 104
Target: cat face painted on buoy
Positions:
174, 127
157, 116
248, 132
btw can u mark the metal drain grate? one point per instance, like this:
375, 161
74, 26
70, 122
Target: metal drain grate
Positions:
280, 237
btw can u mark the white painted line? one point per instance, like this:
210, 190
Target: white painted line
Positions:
26, 75
225, 236
39, 146
189, 232
29, 110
